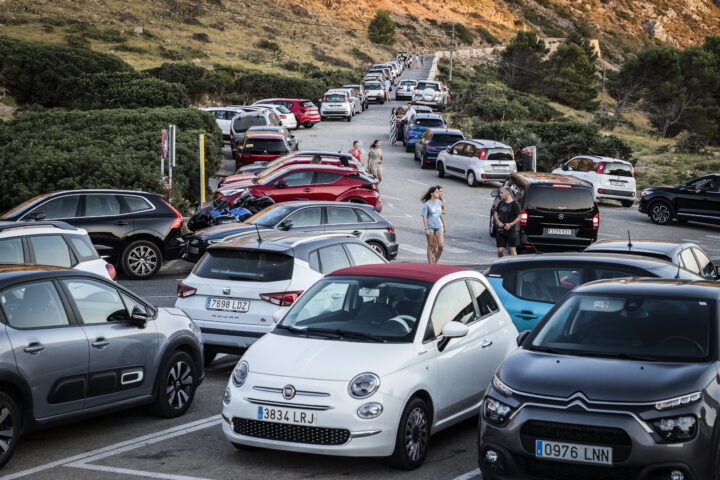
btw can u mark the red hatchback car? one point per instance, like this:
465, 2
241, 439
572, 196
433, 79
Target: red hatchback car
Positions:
261, 147
309, 182
304, 110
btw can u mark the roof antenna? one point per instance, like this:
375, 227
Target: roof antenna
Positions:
258, 234
630, 245
341, 149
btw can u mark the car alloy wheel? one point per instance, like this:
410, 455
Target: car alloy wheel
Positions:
660, 213
416, 434
179, 385
141, 259
175, 385
413, 435
441, 170
379, 249
9, 427
492, 228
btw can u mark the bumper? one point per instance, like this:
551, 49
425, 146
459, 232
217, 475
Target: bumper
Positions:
615, 194
376, 98
480, 176
392, 250
378, 206
174, 246
308, 118
641, 459
226, 336
431, 103
335, 114
540, 244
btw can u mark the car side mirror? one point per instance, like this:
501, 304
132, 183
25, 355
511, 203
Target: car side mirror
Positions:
282, 184
451, 330
495, 193
36, 216
139, 316
521, 338
286, 225
278, 315
564, 166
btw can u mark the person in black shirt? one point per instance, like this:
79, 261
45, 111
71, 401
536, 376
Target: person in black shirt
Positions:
507, 215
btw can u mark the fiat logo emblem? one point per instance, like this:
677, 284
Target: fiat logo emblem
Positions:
288, 392
226, 291
561, 216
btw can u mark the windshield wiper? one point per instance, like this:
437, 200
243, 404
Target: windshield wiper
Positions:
534, 348
347, 333
625, 356
296, 331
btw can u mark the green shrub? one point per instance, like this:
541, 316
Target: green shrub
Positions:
361, 55
335, 78
692, 143
487, 36
305, 67
103, 149
462, 33
254, 86
490, 103
34, 72
197, 80
120, 90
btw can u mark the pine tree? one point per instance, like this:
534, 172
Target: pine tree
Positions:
382, 28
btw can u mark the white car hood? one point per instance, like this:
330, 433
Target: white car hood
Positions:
320, 359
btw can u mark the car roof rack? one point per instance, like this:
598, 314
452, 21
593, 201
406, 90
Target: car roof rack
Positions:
36, 223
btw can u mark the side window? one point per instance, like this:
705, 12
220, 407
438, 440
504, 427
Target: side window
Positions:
130, 303
341, 215
586, 165
307, 217
547, 285
332, 258
219, 114
33, 305
84, 249
457, 148
362, 255
101, 205
96, 302
573, 164
452, 304
295, 179
61, 207
137, 204
323, 178
688, 261
51, 250
610, 273
485, 301
11, 251
314, 260
363, 216
707, 269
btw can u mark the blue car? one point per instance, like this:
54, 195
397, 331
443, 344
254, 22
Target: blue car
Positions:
432, 142
530, 285
422, 122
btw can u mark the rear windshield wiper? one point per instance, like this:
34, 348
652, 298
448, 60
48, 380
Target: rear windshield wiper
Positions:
241, 277
347, 333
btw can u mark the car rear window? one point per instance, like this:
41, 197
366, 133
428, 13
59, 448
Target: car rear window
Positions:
243, 123
444, 138
373, 86
335, 98
617, 168
500, 154
245, 265
269, 147
565, 199
433, 86
429, 122
307, 104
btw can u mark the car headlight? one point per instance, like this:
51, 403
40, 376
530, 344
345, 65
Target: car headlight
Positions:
676, 429
496, 412
231, 192
501, 387
677, 401
240, 373
364, 385
643, 193
370, 410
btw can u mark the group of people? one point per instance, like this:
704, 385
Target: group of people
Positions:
399, 117
417, 60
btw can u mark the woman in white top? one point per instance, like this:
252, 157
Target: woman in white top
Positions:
387, 89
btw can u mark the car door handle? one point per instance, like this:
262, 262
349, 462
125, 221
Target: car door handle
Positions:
486, 343
121, 222
357, 233
34, 348
527, 315
307, 190
100, 343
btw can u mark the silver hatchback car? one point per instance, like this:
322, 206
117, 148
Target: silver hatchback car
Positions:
74, 343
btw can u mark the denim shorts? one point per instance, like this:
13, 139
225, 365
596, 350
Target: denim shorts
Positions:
435, 229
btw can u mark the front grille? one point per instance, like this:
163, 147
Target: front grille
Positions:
616, 438
290, 433
551, 470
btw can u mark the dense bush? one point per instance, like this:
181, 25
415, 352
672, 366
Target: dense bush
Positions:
197, 80
33, 72
254, 86
487, 36
120, 90
491, 103
335, 78
103, 149
462, 33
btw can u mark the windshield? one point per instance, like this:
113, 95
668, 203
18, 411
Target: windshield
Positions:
334, 97
432, 86
358, 309
635, 326
429, 122
245, 265
243, 123
565, 199
266, 147
270, 216
24, 205
617, 168
373, 86
446, 139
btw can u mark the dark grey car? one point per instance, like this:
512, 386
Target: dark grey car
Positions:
73, 344
301, 216
618, 381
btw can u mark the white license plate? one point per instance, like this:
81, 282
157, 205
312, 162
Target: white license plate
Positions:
618, 183
573, 452
227, 305
292, 416
559, 231
502, 168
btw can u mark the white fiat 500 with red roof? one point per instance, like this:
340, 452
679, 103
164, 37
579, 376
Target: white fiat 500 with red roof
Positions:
371, 361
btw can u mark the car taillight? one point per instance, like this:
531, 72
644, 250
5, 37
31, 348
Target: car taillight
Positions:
483, 151
391, 229
370, 186
185, 291
281, 299
111, 271
596, 221
601, 167
523, 218
178, 222
632, 171
561, 185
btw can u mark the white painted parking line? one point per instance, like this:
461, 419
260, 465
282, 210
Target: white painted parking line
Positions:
469, 475
419, 183
139, 473
409, 248
391, 198
455, 250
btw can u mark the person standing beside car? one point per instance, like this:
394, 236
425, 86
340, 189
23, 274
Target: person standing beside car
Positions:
507, 215
387, 89
433, 213
375, 160
355, 151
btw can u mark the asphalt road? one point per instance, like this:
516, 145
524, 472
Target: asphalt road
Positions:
134, 444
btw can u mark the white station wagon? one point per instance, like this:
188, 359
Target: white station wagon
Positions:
371, 361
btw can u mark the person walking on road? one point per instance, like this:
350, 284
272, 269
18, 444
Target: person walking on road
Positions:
417, 62
387, 89
422, 60
433, 215
355, 151
393, 126
506, 216
375, 160
407, 118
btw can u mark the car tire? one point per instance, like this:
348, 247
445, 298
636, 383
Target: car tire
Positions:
471, 180
492, 227
379, 248
660, 212
441, 170
349, 118
627, 203
308, 124
174, 393
322, 119
423, 161
9, 427
409, 148
141, 259
413, 436
208, 358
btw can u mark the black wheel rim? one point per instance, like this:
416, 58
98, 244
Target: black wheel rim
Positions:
7, 430
661, 213
142, 260
416, 434
179, 385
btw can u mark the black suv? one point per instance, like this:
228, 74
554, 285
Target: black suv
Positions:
697, 200
558, 212
133, 230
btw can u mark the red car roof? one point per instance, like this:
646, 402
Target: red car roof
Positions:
412, 271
